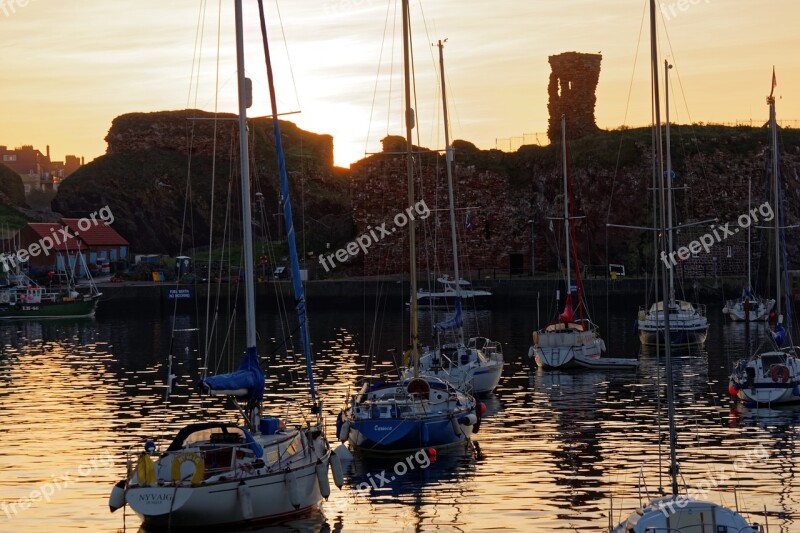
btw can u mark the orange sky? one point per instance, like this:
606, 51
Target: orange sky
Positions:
69, 67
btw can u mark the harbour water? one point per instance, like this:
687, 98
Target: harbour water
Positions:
556, 451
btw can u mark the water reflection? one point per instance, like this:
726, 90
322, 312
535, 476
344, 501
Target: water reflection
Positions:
555, 447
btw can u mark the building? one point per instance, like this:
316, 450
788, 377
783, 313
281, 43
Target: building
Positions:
70, 246
103, 243
38, 171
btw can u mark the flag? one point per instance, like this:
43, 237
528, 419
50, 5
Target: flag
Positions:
774, 82
469, 222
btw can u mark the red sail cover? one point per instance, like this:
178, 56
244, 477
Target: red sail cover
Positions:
567, 316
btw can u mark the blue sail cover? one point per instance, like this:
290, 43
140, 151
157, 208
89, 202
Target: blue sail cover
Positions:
249, 376
779, 335
454, 322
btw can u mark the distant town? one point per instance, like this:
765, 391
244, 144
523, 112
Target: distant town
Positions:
37, 170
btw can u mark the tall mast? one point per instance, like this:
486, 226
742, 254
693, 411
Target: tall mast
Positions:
566, 198
297, 283
749, 244
412, 226
451, 194
673, 460
667, 66
773, 126
247, 229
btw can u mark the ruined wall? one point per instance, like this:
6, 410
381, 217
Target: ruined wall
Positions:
573, 81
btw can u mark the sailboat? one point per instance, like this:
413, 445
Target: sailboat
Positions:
772, 374
689, 322
477, 365
567, 341
749, 307
220, 473
675, 512
416, 411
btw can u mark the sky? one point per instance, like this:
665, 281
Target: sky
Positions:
68, 67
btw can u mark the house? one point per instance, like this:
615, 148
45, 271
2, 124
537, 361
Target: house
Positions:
78, 244
103, 243
37, 170
52, 246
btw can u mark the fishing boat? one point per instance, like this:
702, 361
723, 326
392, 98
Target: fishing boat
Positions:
749, 307
676, 511
475, 366
416, 411
568, 341
771, 375
689, 322
216, 473
21, 297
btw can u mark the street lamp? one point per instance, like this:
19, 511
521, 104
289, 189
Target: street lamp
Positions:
533, 251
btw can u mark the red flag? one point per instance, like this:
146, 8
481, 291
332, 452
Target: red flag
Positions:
774, 82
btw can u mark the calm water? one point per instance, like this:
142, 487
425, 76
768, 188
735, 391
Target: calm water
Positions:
556, 452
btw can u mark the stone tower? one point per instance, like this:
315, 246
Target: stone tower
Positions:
573, 82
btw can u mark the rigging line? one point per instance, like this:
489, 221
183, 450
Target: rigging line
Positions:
288, 58
627, 109
213, 174
377, 78
197, 44
691, 122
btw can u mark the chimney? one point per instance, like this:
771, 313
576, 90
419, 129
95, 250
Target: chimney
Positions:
48, 152
83, 161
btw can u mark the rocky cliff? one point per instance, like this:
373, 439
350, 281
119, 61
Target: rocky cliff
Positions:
147, 175
158, 163
611, 176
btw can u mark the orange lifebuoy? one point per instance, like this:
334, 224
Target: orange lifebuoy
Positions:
779, 373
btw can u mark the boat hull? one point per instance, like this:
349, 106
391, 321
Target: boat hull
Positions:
75, 309
768, 379
678, 337
390, 436
222, 503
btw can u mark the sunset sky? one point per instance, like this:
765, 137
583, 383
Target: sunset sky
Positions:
69, 67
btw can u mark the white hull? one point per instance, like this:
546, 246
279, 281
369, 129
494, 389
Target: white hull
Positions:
222, 503
562, 346
767, 379
759, 310
468, 368
682, 514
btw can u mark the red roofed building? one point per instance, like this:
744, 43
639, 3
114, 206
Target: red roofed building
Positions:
103, 243
46, 246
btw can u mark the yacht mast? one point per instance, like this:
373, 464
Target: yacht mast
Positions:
566, 200
773, 126
247, 226
450, 192
412, 227
670, 248
664, 288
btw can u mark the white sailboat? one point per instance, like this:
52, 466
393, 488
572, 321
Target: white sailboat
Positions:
477, 365
569, 341
772, 374
415, 411
749, 307
675, 512
689, 322
218, 473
